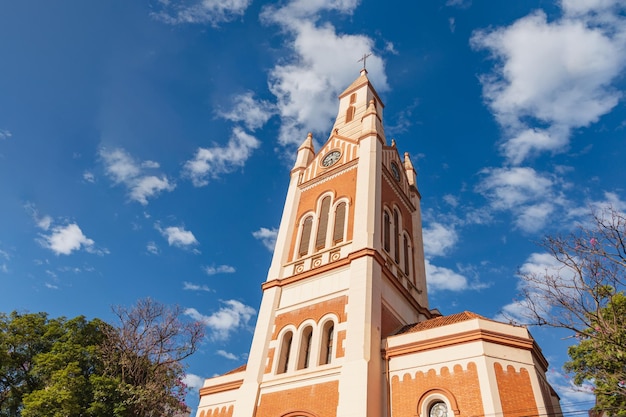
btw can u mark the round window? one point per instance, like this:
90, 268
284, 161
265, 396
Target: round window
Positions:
438, 409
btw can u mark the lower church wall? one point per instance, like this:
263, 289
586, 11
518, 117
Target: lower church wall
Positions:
318, 399
516, 392
462, 384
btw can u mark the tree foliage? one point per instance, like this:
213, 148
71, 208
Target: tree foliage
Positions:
583, 291
59, 367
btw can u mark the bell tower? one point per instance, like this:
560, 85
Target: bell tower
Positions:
347, 271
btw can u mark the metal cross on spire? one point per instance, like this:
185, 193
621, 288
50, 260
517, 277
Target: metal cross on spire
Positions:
364, 59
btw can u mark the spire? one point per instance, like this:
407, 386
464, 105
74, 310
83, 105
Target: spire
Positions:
306, 152
410, 171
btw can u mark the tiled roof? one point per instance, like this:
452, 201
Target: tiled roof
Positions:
439, 322
234, 371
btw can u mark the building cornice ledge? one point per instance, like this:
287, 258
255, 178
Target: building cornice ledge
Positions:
226, 386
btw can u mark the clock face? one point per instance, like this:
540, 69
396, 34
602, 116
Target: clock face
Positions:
395, 171
438, 410
331, 158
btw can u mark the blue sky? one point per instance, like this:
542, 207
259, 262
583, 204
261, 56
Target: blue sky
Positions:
145, 146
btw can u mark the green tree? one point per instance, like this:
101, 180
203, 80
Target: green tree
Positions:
601, 358
583, 291
81, 368
22, 338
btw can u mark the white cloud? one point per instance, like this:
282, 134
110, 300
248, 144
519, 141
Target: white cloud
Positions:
267, 236
148, 186
222, 269
533, 217
252, 113
5, 134
194, 382
581, 7
177, 236
152, 248
214, 161
123, 169
306, 85
511, 187
51, 286
227, 355
189, 286
230, 317
43, 222
529, 195
119, 165
210, 12
63, 240
440, 278
552, 77
451, 200
150, 164
89, 177
438, 239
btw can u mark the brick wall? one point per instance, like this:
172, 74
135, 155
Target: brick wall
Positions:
461, 383
317, 399
217, 412
516, 391
313, 311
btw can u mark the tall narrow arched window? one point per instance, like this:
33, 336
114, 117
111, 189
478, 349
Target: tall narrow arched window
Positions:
322, 228
285, 351
328, 336
396, 236
340, 221
305, 236
305, 348
386, 231
350, 114
350, 110
406, 254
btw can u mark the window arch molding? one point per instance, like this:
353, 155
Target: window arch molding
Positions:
285, 350
433, 396
327, 340
299, 414
332, 222
386, 229
392, 231
406, 253
305, 344
323, 209
305, 233
321, 228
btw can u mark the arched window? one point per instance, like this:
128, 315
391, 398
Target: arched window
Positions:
350, 110
350, 114
340, 220
305, 348
396, 236
386, 231
285, 350
437, 402
322, 228
328, 336
406, 254
305, 236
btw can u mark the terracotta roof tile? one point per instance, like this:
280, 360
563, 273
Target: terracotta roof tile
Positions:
234, 371
439, 322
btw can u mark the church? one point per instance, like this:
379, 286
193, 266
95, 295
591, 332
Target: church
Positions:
344, 328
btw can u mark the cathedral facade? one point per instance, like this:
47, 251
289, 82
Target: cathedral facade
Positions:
344, 328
